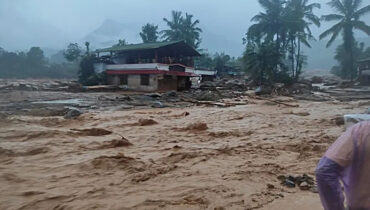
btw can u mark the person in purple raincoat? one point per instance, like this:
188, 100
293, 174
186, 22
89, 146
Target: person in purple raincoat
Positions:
343, 174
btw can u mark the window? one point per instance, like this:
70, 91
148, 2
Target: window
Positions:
144, 79
123, 80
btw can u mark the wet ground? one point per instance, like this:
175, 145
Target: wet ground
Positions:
178, 157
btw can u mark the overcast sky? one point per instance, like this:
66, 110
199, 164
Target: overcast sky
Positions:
55, 23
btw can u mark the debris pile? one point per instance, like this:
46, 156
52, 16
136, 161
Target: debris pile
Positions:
304, 182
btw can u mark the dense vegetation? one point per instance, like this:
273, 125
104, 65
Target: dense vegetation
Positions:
348, 19
33, 64
273, 44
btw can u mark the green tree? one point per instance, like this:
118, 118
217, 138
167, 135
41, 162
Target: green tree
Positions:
342, 57
270, 24
270, 28
348, 16
285, 25
86, 73
73, 52
259, 60
149, 33
191, 31
299, 16
182, 28
35, 56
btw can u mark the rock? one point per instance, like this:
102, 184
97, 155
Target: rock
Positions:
289, 183
157, 104
304, 186
72, 113
314, 189
270, 186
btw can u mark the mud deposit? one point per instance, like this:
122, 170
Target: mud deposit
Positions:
208, 158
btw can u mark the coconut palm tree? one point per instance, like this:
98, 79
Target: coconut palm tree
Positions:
270, 23
299, 16
175, 27
348, 19
191, 31
149, 33
181, 28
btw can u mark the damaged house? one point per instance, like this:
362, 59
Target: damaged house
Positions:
161, 66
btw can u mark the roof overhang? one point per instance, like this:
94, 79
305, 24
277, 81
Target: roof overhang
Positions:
138, 72
175, 48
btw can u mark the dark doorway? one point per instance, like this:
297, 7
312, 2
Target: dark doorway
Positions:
144, 79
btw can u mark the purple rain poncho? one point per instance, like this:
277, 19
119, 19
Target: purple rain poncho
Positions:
348, 161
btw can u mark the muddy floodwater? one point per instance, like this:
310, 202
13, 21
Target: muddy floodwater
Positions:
191, 157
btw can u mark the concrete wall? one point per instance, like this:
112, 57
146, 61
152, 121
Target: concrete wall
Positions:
156, 82
134, 83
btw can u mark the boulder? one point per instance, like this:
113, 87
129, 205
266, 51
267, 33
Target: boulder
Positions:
304, 186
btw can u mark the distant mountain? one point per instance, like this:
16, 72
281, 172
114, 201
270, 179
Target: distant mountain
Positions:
110, 31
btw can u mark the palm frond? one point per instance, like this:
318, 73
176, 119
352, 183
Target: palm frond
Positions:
363, 11
360, 25
338, 6
313, 18
333, 30
313, 6
332, 17
356, 4
305, 42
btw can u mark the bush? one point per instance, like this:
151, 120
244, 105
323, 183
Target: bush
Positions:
86, 73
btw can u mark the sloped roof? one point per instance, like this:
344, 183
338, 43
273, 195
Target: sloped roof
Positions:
149, 46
